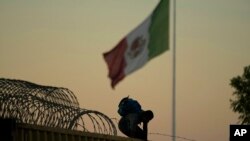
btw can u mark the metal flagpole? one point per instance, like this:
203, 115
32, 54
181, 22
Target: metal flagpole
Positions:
174, 72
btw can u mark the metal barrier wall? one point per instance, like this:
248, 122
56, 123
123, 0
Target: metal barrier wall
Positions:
11, 131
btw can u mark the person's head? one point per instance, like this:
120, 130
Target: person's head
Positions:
123, 100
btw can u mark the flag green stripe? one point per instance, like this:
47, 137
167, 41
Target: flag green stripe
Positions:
159, 30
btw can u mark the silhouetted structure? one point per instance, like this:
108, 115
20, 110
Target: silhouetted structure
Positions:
47, 106
12, 131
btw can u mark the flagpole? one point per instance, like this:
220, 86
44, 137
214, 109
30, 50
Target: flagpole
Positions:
174, 72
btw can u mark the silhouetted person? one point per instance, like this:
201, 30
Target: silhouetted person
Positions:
131, 116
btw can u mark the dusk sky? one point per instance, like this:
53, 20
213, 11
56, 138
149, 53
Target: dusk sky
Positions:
61, 43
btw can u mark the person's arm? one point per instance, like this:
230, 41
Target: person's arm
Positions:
145, 130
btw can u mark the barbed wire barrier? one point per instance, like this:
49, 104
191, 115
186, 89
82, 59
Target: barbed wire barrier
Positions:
49, 106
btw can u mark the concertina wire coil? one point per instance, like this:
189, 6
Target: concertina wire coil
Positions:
49, 106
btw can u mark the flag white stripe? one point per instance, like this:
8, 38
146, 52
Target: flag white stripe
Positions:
133, 64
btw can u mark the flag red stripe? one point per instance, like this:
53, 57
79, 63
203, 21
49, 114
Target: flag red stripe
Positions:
116, 62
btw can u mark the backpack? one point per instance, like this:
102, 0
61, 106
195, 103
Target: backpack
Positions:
128, 105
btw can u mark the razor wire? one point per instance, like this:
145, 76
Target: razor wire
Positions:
49, 106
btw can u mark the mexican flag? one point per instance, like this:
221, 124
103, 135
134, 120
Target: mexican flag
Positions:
145, 42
